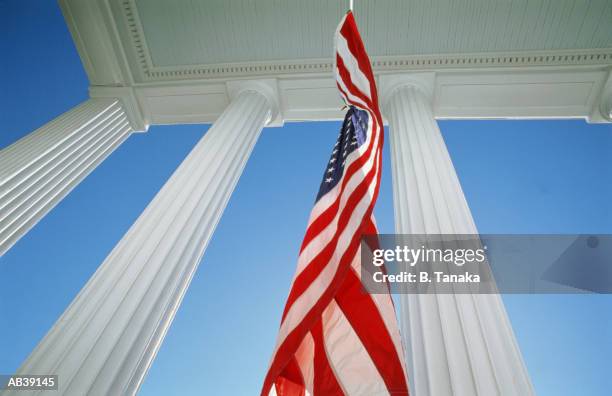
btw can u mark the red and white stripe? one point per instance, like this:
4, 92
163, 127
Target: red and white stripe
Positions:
334, 339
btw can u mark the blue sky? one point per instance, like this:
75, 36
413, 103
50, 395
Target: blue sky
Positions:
518, 176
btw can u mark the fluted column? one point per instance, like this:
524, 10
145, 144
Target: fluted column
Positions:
606, 102
37, 171
456, 344
105, 341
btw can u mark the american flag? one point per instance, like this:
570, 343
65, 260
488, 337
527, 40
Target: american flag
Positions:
334, 338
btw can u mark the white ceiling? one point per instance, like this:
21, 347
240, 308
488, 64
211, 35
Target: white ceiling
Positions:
188, 32
171, 61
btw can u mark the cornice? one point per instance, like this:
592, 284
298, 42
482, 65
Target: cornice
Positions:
385, 64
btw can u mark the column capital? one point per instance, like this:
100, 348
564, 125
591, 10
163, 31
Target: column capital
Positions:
390, 83
606, 106
605, 102
267, 87
128, 99
601, 111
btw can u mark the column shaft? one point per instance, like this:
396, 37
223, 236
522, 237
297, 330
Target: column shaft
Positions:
39, 170
456, 344
105, 341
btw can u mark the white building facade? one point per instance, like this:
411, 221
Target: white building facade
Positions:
243, 66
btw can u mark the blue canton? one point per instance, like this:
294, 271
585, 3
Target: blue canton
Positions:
352, 135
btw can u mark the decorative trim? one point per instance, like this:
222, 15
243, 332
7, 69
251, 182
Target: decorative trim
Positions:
139, 44
509, 59
384, 64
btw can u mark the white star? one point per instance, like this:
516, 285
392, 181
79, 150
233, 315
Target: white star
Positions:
344, 154
331, 161
335, 151
330, 170
354, 143
328, 180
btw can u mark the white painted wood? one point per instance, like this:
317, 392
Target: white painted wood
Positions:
603, 112
205, 32
537, 93
456, 344
519, 92
122, 42
129, 102
95, 37
510, 59
39, 170
107, 338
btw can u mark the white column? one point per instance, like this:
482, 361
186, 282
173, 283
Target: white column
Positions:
605, 106
37, 171
455, 344
105, 341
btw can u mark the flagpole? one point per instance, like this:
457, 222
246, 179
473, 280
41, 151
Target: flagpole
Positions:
351, 5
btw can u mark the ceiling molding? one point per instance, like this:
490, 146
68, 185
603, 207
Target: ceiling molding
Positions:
137, 38
382, 65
